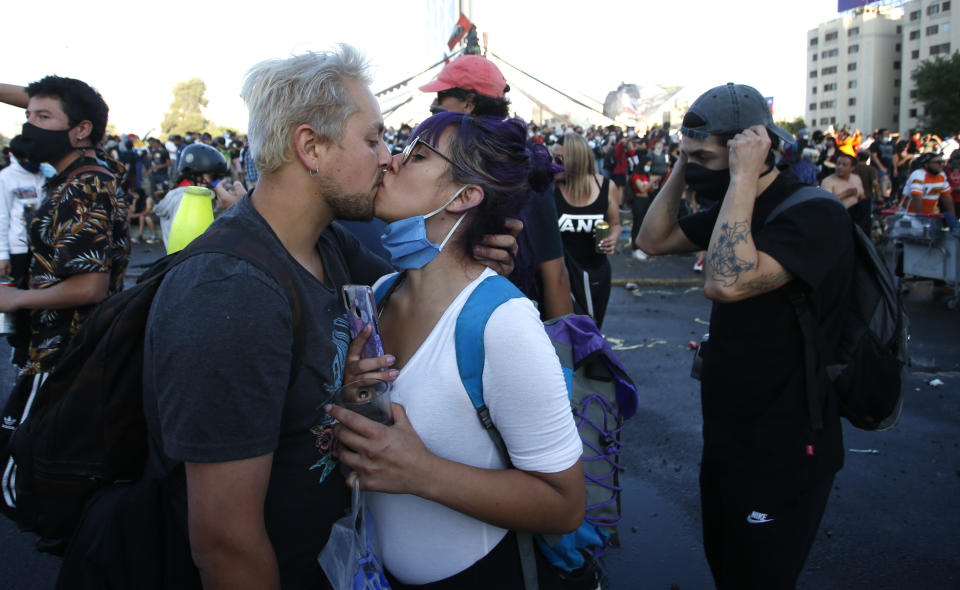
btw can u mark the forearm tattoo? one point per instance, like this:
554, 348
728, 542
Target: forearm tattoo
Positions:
724, 264
768, 282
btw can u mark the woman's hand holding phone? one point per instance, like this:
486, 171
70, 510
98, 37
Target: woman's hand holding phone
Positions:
389, 459
377, 367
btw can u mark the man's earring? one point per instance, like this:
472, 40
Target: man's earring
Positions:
314, 173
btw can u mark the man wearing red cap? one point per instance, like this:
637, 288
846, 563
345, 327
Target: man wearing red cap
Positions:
473, 84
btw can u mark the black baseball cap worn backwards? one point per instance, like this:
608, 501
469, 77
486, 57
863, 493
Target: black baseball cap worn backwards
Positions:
731, 108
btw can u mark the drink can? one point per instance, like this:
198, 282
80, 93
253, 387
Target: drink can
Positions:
8, 320
600, 232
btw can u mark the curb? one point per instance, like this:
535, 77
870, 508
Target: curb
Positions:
660, 282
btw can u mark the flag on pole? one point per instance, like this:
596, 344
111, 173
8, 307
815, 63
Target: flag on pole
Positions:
459, 30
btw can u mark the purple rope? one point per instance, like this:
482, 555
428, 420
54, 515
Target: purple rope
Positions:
608, 453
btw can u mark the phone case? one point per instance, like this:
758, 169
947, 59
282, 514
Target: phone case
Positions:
362, 310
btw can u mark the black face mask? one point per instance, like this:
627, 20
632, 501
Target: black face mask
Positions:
45, 145
30, 166
709, 184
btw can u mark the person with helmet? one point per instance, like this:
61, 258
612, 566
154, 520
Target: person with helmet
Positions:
198, 165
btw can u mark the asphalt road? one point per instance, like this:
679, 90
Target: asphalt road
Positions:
891, 522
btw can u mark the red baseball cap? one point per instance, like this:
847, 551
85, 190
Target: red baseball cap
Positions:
470, 72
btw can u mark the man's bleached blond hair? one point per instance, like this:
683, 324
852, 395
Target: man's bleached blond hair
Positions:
311, 88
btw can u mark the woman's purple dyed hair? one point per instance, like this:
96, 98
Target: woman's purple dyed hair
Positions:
492, 153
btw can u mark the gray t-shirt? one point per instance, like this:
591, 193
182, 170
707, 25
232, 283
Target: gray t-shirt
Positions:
220, 385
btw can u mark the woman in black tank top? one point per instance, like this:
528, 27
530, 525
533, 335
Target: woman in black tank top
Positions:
582, 201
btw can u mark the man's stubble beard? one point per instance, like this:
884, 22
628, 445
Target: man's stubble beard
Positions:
348, 207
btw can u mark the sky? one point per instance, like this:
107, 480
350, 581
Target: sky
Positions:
134, 53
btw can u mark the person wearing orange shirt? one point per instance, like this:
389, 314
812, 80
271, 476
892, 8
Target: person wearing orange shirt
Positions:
927, 189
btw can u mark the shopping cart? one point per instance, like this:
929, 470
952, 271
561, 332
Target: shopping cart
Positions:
924, 247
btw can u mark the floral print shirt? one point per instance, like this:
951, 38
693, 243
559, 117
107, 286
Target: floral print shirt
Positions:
79, 227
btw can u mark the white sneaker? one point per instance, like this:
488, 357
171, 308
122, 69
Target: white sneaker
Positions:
640, 255
698, 266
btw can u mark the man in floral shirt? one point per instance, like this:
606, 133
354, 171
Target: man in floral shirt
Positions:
78, 238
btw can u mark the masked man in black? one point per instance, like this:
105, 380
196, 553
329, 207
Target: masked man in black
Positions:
766, 470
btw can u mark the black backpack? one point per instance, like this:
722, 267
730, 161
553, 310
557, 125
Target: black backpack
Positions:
872, 359
86, 428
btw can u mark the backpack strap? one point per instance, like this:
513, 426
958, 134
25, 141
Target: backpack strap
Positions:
468, 337
386, 288
802, 195
808, 327
490, 294
84, 169
804, 311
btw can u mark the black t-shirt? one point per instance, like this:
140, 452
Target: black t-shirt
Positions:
658, 163
159, 157
368, 232
540, 220
883, 152
754, 401
577, 226
220, 384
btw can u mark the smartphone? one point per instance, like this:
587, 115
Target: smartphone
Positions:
696, 370
362, 310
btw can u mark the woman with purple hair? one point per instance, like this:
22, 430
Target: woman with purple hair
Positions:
446, 502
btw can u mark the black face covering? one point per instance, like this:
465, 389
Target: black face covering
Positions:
29, 166
709, 184
45, 145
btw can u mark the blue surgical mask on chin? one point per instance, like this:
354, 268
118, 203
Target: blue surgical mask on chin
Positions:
406, 240
47, 170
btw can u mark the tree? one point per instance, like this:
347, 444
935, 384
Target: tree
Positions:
793, 126
938, 90
185, 112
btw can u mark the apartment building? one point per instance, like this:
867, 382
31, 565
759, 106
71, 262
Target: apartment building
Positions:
854, 70
859, 65
928, 32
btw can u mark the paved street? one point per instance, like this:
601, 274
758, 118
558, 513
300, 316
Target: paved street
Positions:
891, 522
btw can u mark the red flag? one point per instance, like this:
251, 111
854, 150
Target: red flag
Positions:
459, 30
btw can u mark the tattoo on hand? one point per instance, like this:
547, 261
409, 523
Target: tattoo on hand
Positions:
724, 264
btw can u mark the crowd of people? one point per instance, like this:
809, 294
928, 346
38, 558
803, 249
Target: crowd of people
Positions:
238, 368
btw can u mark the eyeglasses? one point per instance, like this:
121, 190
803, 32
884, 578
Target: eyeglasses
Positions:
408, 151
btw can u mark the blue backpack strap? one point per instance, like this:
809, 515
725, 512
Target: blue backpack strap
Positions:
468, 338
384, 287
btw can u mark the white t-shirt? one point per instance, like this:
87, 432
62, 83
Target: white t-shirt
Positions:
18, 187
166, 210
524, 388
